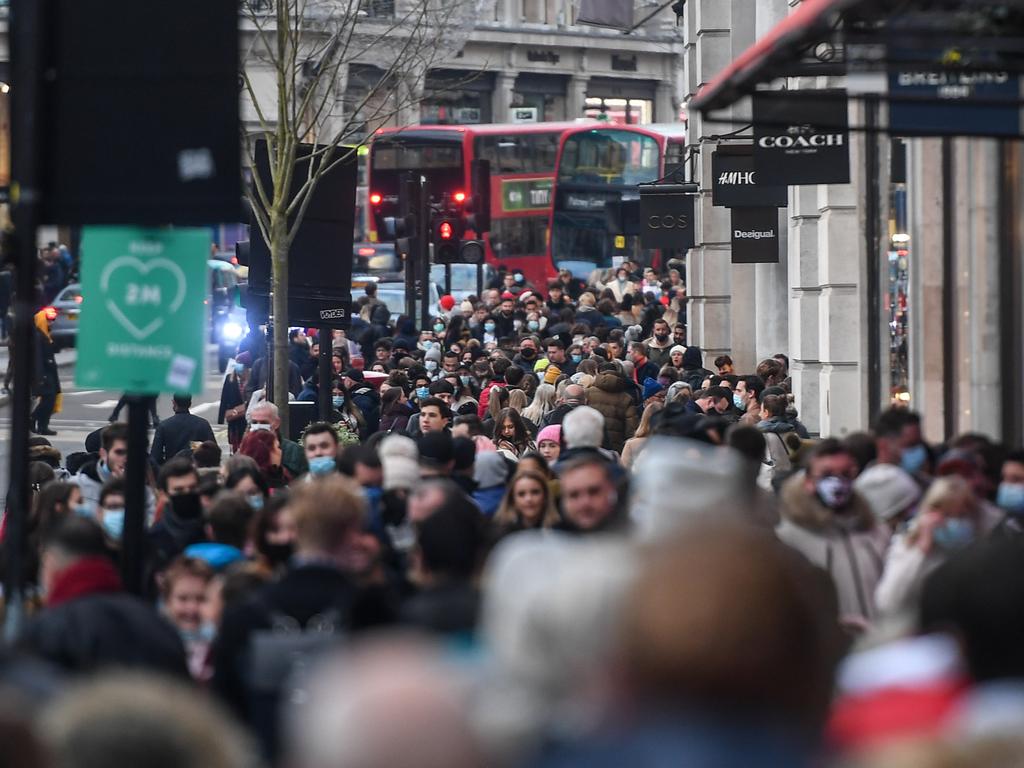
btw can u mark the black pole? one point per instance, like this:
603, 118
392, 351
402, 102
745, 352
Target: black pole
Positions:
423, 263
872, 210
133, 543
27, 41
447, 278
948, 294
480, 281
325, 374
411, 210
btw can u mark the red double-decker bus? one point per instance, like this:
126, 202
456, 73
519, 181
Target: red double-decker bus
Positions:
522, 158
599, 169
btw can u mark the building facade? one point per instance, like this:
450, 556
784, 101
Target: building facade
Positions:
940, 331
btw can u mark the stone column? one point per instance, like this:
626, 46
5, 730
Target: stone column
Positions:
409, 96
805, 296
977, 331
576, 97
926, 210
708, 49
501, 99
666, 109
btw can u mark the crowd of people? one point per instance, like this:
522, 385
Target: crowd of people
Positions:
539, 532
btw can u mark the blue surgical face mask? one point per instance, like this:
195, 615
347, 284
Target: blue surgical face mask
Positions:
533, 325
83, 510
954, 533
577, 358
518, 277
737, 400
322, 465
438, 328
255, 500
489, 327
430, 365
338, 400
103, 470
422, 393
239, 369
1010, 497
913, 459
466, 380
113, 523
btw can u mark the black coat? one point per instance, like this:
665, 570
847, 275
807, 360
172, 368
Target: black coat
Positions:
176, 433
103, 630
310, 599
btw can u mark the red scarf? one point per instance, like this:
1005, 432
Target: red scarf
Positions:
88, 576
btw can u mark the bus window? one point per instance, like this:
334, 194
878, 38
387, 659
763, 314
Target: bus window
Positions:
519, 236
609, 158
519, 153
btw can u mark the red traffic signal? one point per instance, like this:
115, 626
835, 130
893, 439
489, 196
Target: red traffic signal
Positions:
445, 230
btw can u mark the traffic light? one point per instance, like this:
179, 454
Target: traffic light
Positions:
478, 207
445, 235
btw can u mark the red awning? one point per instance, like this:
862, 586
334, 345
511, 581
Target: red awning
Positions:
761, 61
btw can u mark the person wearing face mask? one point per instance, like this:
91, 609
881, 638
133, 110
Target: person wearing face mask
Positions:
181, 521
112, 460
110, 513
947, 522
320, 442
1010, 496
659, 345
826, 520
347, 412
183, 590
527, 357
89, 622
233, 404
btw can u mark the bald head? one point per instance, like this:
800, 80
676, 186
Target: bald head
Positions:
574, 393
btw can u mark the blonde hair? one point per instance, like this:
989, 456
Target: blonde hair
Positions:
644, 430
326, 511
517, 400
507, 515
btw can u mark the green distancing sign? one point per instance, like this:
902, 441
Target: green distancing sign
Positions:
143, 322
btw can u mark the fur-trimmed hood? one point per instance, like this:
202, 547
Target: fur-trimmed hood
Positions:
810, 513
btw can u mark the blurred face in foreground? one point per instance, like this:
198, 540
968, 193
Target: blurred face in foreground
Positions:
528, 496
185, 602
588, 496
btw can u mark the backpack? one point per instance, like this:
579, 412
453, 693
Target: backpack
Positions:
776, 464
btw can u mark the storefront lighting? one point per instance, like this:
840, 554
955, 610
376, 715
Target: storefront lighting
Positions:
901, 238
5, 87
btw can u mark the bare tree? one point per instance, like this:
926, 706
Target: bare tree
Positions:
297, 56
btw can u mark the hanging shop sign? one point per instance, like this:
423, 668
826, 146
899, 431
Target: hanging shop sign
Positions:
666, 216
736, 183
802, 137
954, 104
755, 235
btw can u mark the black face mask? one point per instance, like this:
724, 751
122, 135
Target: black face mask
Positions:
187, 506
393, 507
527, 352
661, 336
277, 554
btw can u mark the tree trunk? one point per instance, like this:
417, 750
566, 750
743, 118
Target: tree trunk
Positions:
279, 285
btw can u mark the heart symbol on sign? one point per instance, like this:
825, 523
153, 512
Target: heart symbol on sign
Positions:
143, 268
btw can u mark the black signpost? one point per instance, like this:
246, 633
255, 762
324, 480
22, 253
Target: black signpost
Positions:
736, 183
666, 216
802, 137
755, 235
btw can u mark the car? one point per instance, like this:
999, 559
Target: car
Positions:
374, 257
391, 290
64, 314
464, 282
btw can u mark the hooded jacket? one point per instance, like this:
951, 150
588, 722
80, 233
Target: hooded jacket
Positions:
850, 545
610, 396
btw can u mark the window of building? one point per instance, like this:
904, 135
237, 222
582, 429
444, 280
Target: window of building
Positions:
619, 110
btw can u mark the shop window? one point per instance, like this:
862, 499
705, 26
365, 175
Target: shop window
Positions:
620, 111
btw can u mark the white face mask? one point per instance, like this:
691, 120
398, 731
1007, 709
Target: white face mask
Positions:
257, 427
